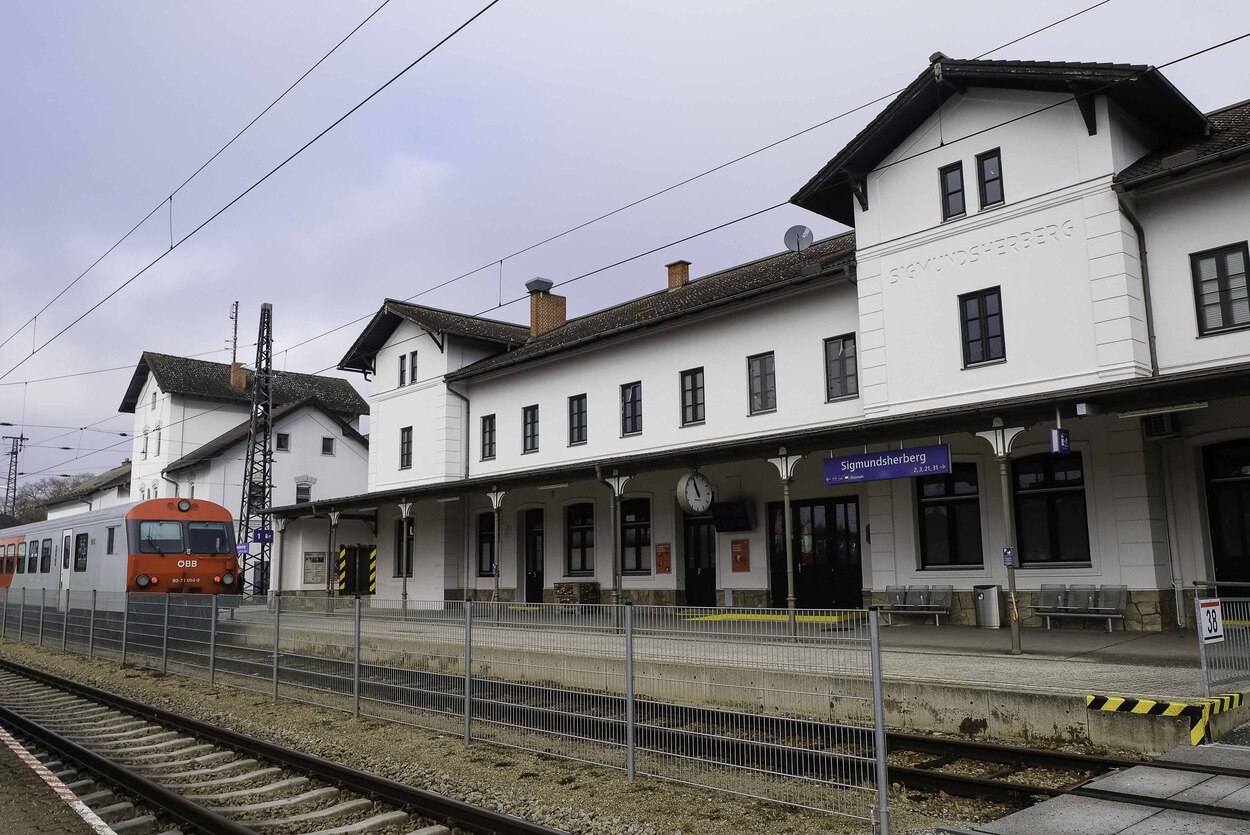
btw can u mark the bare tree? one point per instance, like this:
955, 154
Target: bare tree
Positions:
34, 496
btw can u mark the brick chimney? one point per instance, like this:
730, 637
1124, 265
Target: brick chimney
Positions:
546, 311
238, 377
678, 274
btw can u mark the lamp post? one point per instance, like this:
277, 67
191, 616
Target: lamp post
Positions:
405, 564
617, 482
496, 505
1001, 437
785, 463
279, 524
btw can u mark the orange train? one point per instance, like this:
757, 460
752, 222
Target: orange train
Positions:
176, 546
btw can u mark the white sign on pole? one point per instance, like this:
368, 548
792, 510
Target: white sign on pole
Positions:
1211, 621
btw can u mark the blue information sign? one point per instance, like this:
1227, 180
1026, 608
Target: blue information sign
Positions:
1060, 443
241, 548
893, 463
262, 535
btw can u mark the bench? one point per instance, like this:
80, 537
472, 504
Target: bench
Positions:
918, 600
1056, 600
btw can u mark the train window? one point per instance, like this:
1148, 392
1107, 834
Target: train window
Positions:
160, 537
32, 554
209, 538
8, 561
80, 552
111, 542
21, 557
65, 554
45, 559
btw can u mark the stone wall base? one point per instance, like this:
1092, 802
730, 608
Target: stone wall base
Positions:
1147, 610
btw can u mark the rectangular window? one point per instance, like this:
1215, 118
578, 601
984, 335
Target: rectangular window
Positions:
404, 534
45, 558
1220, 288
8, 560
158, 440
209, 538
153, 400
841, 375
412, 368
327, 446
156, 537
486, 545
579, 539
21, 557
403, 371
577, 419
950, 518
80, 551
636, 536
529, 429
762, 377
631, 408
32, 555
405, 448
692, 397
952, 179
990, 178
303, 493
488, 437
144, 451
192, 489
283, 442
981, 317
1051, 521
110, 546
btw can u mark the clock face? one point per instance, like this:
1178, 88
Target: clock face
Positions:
694, 492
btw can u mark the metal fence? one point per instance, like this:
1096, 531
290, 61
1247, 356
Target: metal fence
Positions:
1226, 663
769, 704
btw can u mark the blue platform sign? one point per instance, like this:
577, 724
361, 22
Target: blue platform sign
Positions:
1060, 442
241, 548
262, 535
893, 463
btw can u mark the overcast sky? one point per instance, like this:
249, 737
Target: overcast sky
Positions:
541, 115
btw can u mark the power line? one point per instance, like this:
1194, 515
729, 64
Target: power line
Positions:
196, 173
108, 370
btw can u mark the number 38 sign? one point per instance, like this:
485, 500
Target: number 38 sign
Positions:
1211, 621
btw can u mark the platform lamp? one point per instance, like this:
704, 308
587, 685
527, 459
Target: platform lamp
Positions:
1001, 437
785, 463
405, 562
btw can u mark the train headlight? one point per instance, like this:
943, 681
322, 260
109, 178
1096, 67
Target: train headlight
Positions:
227, 579
184, 505
142, 580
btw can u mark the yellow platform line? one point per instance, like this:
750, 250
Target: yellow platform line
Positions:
748, 616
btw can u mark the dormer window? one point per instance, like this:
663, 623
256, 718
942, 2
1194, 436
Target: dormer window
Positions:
990, 178
952, 181
153, 400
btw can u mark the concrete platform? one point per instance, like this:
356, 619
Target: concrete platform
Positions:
1075, 815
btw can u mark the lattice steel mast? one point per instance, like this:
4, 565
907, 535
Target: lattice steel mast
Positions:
10, 484
258, 466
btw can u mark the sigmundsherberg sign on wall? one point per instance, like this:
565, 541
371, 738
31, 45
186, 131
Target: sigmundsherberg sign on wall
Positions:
892, 463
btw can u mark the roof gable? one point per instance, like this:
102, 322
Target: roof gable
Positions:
375, 335
211, 381
1150, 98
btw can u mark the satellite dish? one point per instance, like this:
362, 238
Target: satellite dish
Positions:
798, 238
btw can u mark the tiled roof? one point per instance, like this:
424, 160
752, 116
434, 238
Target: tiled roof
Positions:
211, 380
1140, 90
239, 434
1231, 134
112, 478
360, 356
726, 287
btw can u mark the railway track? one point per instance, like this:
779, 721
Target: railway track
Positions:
152, 770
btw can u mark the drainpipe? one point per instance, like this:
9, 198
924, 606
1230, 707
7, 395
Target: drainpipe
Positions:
1145, 284
464, 435
171, 481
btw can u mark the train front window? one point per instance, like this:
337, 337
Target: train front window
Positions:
160, 537
210, 538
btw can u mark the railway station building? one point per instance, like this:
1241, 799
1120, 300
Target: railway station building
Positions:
1034, 247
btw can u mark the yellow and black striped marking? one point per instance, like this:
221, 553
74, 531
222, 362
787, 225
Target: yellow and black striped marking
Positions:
373, 570
343, 568
1199, 711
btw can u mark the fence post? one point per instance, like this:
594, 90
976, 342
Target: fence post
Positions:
43, 605
125, 623
878, 724
1202, 647
277, 617
91, 627
165, 638
65, 623
356, 663
468, 671
212, 640
629, 691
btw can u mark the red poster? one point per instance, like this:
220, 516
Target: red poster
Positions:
663, 558
740, 549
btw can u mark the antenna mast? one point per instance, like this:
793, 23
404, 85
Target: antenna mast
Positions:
234, 340
258, 469
10, 484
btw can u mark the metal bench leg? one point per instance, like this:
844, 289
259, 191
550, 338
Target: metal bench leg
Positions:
1108, 626
1048, 622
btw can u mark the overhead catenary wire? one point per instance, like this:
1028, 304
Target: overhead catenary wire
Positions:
170, 199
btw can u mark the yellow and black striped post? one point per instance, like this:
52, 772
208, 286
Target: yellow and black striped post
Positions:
342, 569
373, 570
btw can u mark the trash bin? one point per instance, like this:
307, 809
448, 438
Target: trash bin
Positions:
986, 598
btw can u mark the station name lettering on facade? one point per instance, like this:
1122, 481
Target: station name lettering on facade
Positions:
1051, 233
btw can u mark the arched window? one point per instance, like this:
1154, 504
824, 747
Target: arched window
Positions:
1051, 519
143, 452
158, 441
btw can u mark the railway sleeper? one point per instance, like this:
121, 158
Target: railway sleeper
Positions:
223, 782
163, 772
279, 787
300, 802
143, 825
376, 822
328, 813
